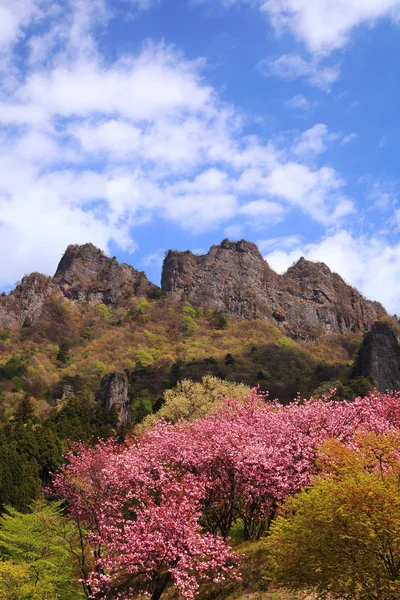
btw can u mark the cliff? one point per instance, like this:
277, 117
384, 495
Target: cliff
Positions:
308, 300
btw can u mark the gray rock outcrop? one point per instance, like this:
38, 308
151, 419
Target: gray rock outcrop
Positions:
86, 274
114, 393
379, 357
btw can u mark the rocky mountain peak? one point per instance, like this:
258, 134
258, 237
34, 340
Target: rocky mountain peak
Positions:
222, 278
304, 268
307, 301
240, 246
86, 274
79, 261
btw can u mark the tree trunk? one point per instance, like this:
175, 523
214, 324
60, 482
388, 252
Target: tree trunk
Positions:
161, 584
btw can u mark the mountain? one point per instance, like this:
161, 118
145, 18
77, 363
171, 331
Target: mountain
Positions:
309, 300
84, 275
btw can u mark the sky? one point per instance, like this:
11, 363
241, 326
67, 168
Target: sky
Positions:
144, 125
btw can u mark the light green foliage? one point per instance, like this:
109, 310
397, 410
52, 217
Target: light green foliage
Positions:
100, 368
189, 324
188, 310
144, 358
16, 584
341, 537
284, 342
192, 400
103, 311
36, 552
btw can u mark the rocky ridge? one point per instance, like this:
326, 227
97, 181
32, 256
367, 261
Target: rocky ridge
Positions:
307, 301
233, 277
84, 275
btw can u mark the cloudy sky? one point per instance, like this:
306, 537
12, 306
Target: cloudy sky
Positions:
143, 125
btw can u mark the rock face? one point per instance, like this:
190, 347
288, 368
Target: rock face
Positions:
114, 392
25, 304
233, 277
84, 275
379, 357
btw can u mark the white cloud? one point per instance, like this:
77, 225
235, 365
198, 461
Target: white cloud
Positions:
14, 16
91, 149
292, 66
154, 258
262, 213
313, 141
347, 139
371, 264
322, 25
284, 242
200, 212
316, 192
299, 102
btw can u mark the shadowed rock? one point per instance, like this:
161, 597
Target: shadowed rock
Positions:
114, 393
379, 357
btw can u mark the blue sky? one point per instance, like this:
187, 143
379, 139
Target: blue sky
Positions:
144, 125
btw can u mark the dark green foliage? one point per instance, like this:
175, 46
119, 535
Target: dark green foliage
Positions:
81, 419
141, 409
25, 411
218, 320
157, 294
229, 360
30, 452
63, 353
14, 367
176, 372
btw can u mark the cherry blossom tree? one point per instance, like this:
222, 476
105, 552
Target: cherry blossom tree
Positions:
143, 523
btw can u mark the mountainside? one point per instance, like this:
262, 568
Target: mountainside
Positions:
226, 314
309, 300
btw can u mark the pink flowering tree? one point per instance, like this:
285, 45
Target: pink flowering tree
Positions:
250, 455
142, 520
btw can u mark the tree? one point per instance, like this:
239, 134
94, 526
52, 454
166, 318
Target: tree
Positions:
25, 412
229, 360
63, 353
193, 399
38, 547
342, 535
143, 523
16, 584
